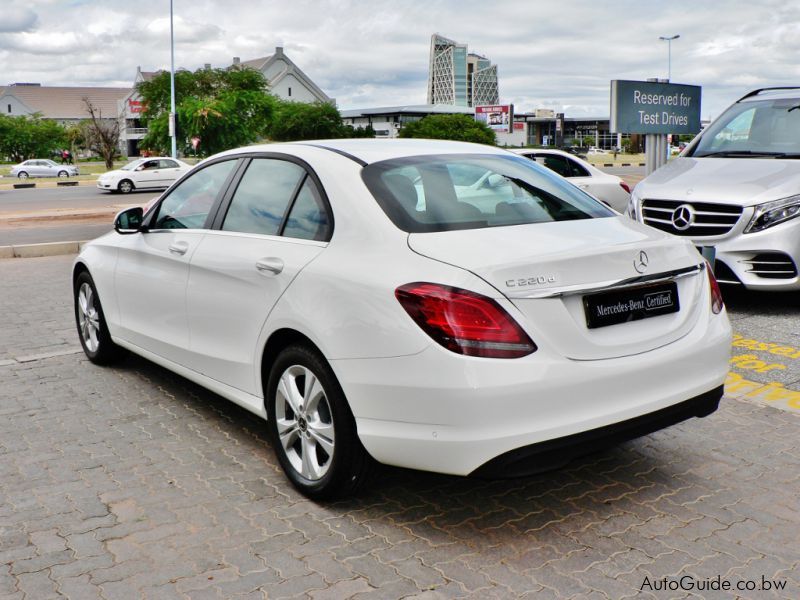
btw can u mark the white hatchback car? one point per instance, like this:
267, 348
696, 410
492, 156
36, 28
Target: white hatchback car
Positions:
372, 303
144, 174
606, 187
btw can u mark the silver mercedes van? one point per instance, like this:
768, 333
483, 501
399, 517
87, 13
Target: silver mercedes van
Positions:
735, 191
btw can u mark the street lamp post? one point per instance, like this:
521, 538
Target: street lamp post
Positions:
172, 84
669, 53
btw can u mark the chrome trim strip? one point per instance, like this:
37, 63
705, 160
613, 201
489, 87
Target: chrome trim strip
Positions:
604, 286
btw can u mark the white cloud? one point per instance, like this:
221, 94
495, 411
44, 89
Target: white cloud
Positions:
368, 53
16, 18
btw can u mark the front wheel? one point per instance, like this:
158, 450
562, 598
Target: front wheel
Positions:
62, 174
311, 426
22, 175
92, 329
125, 186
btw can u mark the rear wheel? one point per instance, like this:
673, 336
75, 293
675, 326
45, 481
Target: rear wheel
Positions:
311, 426
22, 175
125, 186
91, 322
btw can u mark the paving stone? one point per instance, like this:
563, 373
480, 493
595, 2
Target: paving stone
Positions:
132, 482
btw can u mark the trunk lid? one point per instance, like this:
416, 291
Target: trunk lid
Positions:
528, 263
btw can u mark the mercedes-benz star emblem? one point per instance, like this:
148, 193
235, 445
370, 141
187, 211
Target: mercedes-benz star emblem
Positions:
641, 262
683, 217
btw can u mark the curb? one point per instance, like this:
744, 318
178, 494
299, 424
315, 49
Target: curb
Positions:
38, 250
47, 184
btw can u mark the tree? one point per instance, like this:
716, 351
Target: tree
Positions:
101, 135
462, 128
25, 137
302, 121
225, 108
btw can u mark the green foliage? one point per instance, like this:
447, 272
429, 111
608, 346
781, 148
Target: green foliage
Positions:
626, 145
27, 137
225, 108
462, 128
301, 121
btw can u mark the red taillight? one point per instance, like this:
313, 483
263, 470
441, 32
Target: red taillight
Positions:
625, 186
716, 294
463, 321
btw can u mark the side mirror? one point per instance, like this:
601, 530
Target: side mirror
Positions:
495, 180
129, 220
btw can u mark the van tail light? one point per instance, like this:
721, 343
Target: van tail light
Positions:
625, 186
717, 303
463, 321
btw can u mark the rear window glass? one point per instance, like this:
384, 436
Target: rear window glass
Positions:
465, 191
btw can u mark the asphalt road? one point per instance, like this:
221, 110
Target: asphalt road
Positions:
69, 197
70, 232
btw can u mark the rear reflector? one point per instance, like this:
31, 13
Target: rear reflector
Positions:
717, 303
463, 321
625, 186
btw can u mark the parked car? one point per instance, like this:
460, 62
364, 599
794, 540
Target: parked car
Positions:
605, 187
735, 191
596, 150
42, 167
144, 173
370, 307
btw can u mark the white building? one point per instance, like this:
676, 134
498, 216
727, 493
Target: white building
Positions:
459, 77
387, 120
65, 105
285, 79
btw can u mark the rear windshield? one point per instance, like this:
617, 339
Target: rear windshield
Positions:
468, 191
759, 129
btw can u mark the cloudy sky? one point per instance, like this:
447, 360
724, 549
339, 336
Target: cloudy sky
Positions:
557, 54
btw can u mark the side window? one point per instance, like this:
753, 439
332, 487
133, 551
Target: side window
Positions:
167, 164
308, 219
188, 205
263, 195
577, 169
738, 130
150, 165
556, 163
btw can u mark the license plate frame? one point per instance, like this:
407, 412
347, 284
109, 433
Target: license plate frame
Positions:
631, 304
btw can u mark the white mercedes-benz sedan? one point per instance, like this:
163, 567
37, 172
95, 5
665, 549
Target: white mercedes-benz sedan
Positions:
436, 305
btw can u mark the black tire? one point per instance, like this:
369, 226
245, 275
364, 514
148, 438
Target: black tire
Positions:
63, 174
99, 347
125, 186
349, 465
22, 175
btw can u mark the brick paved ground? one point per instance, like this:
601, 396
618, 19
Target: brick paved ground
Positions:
132, 482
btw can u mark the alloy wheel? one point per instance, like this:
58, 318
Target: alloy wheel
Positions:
88, 317
304, 422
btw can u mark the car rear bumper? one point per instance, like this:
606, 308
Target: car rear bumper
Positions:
557, 452
438, 411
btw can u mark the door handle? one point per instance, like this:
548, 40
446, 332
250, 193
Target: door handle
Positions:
270, 266
179, 248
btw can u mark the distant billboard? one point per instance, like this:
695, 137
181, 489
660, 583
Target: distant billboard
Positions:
500, 117
654, 107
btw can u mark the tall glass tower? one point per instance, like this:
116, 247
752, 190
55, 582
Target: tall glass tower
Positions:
458, 77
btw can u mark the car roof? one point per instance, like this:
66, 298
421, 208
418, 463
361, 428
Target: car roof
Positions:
541, 151
771, 94
374, 150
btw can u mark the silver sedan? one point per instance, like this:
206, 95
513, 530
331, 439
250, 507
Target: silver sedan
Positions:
40, 167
